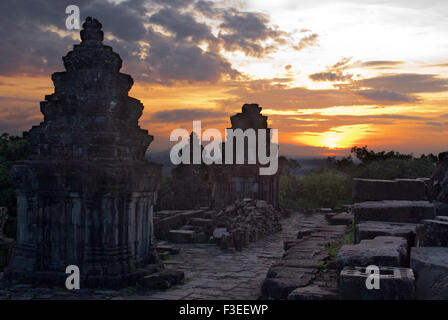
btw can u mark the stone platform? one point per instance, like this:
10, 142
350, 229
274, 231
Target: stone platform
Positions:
380, 251
393, 211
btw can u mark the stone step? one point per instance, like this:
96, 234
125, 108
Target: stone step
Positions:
394, 211
341, 219
201, 222
371, 229
380, 251
182, 236
167, 248
398, 189
304, 233
394, 284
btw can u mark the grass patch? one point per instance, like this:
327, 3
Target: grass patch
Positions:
348, 238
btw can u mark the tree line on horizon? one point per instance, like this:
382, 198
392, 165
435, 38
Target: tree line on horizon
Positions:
331, 186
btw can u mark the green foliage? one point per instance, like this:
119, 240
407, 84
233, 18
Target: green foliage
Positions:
332, 187
323, 188
348, 238
394, 169
12, 148
165, 193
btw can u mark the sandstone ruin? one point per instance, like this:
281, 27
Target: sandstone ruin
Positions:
86, 195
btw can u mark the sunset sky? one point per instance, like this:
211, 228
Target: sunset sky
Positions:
329, 74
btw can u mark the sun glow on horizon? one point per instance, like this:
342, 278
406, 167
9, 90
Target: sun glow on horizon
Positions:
336, 138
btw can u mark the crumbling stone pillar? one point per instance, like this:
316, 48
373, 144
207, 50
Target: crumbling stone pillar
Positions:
233, 182
86, 195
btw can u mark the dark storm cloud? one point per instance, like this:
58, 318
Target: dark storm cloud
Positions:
168, 61
185, 115
245, 31
206, 7
32, 45
175, 3
182, 25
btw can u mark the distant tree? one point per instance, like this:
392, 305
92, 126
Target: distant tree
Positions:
367, 156
287, 165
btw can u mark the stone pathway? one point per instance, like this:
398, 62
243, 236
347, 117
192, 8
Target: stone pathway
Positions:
210, 273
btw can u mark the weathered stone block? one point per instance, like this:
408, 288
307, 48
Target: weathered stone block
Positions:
395, 284
313, 292
200, 222
342, 219
281, 281
371, 229
182, 236
303, 233
399, 189
430, 265
162, 280
187, 215
381, 251
393, 211
433, 233
5, 251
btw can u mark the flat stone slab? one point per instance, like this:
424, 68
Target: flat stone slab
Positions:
303, 233
430, 265
313, 292
433, 233
394, 284
381, 251
162, 280
371, 229
201, 222
393, 211
282, 280
182, 236
399, 189
341, 219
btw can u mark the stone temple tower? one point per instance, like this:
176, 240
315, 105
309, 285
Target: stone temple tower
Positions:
86, 195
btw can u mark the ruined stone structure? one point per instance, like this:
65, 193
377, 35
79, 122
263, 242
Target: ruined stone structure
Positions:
218, 185
86, 195
233, 182
190, 184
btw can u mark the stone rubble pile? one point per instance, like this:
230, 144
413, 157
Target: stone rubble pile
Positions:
236, 226
245, 221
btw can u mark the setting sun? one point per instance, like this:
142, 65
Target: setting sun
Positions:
337, 137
